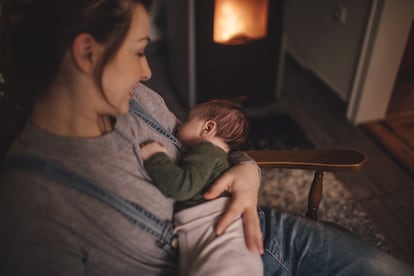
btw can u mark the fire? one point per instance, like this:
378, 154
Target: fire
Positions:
240, 21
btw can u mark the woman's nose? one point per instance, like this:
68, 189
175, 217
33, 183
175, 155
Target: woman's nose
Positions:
146, 70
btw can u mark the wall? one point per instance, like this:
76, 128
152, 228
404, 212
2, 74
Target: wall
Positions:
373, 89
358, 59
317, 38
181, 48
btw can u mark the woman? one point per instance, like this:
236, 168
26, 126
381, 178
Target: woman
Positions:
82, 61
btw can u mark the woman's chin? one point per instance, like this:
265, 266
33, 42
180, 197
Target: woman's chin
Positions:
123, 109
119, 109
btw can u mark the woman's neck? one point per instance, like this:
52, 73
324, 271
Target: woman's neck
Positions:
66, 116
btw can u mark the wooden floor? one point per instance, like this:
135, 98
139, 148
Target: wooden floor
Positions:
396, 134
383, 188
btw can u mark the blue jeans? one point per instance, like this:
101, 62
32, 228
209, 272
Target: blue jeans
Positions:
296, 245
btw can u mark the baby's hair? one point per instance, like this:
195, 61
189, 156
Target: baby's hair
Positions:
232, 121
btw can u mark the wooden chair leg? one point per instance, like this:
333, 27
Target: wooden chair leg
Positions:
315, 196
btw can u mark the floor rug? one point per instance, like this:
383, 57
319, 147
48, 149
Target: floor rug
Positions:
276, 131
288, 190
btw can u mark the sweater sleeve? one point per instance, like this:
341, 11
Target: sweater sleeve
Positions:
187, 178
240, 157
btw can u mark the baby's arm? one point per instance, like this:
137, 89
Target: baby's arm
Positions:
185, 179
150, 148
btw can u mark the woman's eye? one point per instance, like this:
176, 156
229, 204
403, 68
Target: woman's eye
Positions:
141, 54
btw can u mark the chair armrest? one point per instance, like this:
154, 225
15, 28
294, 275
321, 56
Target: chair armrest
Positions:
318, 160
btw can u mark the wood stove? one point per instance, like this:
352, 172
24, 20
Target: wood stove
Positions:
225, 49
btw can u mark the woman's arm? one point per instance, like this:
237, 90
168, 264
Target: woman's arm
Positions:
243, 182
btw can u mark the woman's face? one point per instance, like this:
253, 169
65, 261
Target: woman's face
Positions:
129, 65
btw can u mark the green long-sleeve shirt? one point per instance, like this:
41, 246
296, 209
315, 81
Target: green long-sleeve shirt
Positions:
190, 177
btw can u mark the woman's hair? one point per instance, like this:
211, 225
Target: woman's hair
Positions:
39, 32
231, 120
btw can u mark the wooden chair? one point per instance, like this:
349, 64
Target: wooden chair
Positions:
317, 160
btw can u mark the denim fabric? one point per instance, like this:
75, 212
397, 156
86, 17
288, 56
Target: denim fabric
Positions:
133, 212
138, 110
296, 245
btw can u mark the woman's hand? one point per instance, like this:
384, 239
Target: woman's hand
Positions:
243, 182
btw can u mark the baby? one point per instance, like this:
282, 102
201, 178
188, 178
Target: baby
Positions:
212, 130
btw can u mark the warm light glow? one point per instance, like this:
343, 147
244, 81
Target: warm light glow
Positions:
240, 21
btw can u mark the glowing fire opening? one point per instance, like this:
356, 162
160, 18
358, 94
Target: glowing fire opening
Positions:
240, 21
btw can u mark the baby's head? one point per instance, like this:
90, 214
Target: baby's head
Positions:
216, 119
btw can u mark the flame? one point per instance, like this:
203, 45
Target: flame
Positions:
240, 21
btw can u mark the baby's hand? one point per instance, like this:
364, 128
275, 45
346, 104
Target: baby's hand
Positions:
150, 148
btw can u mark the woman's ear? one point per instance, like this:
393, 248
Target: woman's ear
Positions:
209, 128
86, 52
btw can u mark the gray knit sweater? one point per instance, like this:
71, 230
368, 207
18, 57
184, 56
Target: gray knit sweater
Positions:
50, 229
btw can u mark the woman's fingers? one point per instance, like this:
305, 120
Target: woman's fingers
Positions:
220, 186
242, 181
232, 212
252, 230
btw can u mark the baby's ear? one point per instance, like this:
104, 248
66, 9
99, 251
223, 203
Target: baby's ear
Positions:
209, 128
